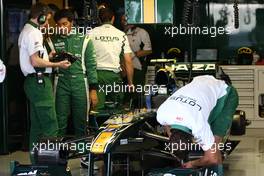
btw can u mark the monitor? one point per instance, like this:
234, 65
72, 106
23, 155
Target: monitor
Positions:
206, 55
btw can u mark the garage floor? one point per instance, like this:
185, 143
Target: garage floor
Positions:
246, 160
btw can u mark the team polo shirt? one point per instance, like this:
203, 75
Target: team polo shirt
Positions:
137, 38
30, 41
109, 42
190, 107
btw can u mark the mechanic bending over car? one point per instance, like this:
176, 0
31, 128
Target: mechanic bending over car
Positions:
201, 110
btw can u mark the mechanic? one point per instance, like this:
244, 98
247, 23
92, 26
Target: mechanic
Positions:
76, 86
111, 47
36, 67
203, 110
140, 44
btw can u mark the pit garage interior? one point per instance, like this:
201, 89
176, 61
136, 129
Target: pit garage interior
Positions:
227, 37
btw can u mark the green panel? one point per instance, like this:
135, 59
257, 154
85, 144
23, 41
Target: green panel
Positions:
134, 11
165, 11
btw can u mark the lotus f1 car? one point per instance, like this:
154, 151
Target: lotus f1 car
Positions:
130, 136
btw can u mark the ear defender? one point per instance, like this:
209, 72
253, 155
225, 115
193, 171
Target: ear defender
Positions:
42, 19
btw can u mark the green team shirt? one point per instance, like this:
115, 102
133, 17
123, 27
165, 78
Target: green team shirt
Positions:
80, 46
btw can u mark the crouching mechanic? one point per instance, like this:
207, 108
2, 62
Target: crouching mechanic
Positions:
202, 110
75, 86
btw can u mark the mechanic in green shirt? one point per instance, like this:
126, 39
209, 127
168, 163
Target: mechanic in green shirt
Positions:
75, 87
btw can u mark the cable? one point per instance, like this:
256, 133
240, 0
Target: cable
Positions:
223, 15
186, 12
195, 7
247, 17
196, 13
236, 14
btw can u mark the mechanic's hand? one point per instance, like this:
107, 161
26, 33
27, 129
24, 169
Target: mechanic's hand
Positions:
187, 165
137, 53
93, 98
64, 64
167, 130
52, 54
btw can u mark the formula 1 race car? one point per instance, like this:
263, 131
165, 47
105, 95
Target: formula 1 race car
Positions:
129, 137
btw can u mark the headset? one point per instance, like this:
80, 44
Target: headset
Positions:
43, 16
42, 19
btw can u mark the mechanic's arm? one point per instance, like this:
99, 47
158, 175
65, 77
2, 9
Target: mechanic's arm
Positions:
129, 68
167, 129
33, 46
143, 53
211, 157
51, 50
90, 64
36, 61
128, 63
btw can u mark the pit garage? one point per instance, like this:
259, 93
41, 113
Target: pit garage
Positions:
113, 87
